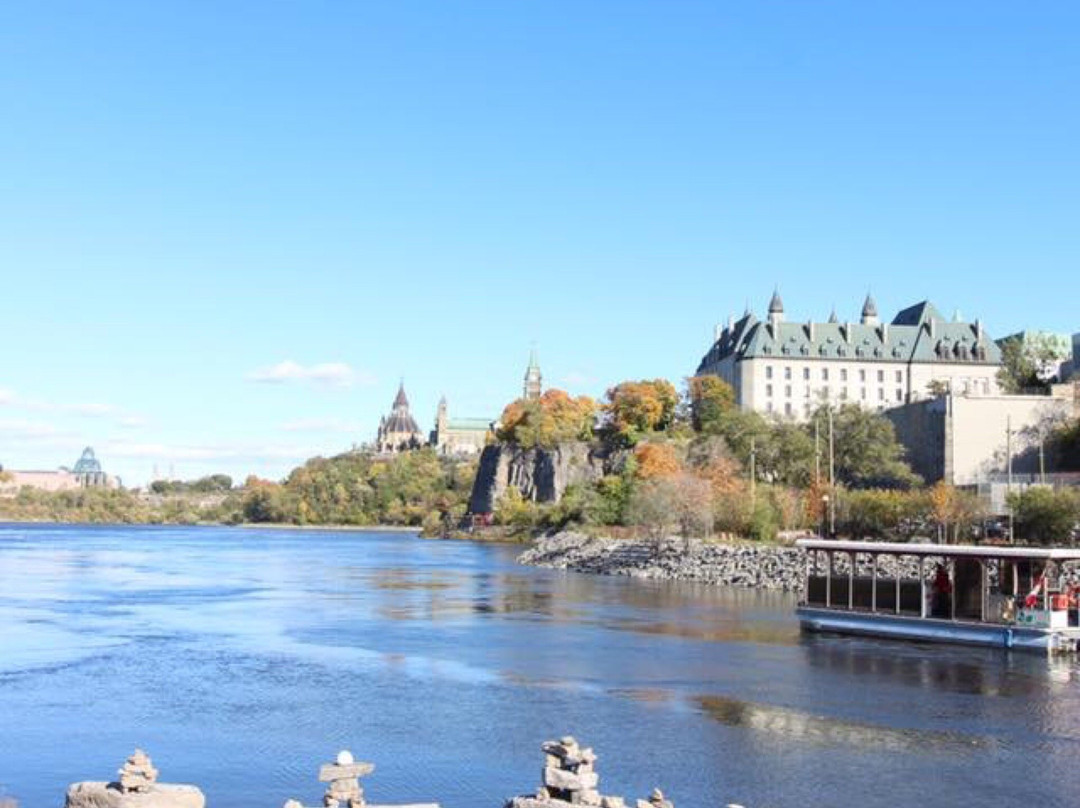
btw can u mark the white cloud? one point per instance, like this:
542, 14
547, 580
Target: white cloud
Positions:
335, 374
16, 428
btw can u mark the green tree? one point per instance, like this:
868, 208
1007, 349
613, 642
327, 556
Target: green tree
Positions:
1044, 515
709, 400
1029, 361
866, 452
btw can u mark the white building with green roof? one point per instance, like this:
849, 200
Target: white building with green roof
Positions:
788, 368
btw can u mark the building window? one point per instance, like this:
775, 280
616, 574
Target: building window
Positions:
881, 376
787, 373
862, 377
768, 406
787, 408
806, 391
843, 394
881, 394
806, 374
824, 374
787, 390
899, 376
768, 371
899, 394
843, 374
768, 390
862, 393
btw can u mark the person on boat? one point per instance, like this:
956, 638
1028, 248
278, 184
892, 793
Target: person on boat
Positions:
942, 603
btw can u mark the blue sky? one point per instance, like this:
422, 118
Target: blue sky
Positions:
194, 193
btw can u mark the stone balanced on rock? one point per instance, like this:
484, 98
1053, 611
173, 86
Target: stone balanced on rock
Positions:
569, 778
136, 787
343, 777
138, 773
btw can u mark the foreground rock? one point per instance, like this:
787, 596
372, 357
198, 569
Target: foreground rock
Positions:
343, 785
757, 567
137, 787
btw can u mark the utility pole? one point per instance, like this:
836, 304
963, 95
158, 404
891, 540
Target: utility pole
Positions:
1009, 475
832, 478
753, 470
817, 452
1042, 458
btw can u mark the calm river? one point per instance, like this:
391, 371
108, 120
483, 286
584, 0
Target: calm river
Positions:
242, 659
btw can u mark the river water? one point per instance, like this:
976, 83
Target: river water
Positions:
241, 659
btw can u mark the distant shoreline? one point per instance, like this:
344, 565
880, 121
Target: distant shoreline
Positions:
244, 525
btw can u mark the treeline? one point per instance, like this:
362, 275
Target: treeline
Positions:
211, 484
696, 465
417, 489
112, 506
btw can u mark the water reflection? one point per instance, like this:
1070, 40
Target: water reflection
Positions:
447, 663
798, 727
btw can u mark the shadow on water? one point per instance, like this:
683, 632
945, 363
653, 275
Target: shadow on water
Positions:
798, 727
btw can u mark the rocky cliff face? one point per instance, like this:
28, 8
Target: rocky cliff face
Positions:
541, 475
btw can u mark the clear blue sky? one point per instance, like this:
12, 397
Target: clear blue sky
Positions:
192, 193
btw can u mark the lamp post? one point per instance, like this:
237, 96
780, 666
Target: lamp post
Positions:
824, 512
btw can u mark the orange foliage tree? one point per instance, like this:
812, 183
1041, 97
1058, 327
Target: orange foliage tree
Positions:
554, 418
635, 409
656, 460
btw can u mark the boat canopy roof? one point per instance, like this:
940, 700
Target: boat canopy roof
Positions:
947, 550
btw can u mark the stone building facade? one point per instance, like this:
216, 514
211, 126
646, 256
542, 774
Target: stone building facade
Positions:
788, 368
460, 436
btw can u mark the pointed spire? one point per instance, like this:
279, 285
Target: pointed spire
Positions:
776, 305
832, 317
869, 311
869, 307
401, 400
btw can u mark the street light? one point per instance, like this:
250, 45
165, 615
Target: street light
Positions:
824, 512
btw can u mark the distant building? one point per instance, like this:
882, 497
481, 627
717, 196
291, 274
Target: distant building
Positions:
1049, 370
1070, 368
533, 386
459, 436
788, 368
87, 473
399, 431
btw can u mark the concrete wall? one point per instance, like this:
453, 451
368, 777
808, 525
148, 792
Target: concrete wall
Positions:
42, 480
962, 439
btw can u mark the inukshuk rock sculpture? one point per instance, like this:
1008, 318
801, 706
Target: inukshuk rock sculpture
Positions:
343, 777
137, 774
136, 787
569, 778
656, 800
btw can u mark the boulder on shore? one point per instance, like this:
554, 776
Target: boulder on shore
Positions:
111, 795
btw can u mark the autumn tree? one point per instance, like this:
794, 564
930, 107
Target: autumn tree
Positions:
636, 409
664, 505
709, 399
656, 460
554, 418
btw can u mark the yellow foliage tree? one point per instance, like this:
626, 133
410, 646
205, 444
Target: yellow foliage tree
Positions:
634, 409
655, 460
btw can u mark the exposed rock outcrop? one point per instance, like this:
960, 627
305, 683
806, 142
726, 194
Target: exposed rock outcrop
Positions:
137, 787
540, 475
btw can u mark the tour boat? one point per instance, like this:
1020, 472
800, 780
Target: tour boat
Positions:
1010, 597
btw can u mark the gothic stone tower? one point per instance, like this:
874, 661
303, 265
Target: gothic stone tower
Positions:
533, 386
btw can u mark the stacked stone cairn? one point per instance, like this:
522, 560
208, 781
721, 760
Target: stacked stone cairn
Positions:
569, 778
138, 774
343, 777
136, 787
